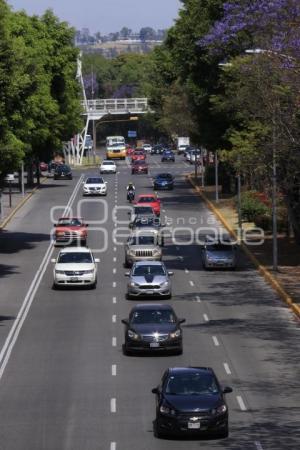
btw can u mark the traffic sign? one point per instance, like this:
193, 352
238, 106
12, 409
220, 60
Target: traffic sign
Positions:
132, 134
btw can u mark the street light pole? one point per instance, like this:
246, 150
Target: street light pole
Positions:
94, 141
217, 176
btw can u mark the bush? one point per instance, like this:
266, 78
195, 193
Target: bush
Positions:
252, 207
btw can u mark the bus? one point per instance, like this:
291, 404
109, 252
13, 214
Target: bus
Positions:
115, 147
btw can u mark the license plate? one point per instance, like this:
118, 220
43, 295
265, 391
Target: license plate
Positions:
194, 426
154, 344
149, 292
74, 278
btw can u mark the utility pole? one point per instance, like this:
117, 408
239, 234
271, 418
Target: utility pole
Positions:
217, 176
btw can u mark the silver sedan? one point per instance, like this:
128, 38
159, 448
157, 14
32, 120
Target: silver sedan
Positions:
149, 278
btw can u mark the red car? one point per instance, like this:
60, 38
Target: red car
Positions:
129, 151
149, 200
138, 155
70, 229
139, 167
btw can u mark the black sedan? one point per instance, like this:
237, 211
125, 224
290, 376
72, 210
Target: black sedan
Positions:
190, 401
63, 172
153, 327
163, 181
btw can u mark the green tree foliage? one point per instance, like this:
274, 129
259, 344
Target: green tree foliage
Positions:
38, 76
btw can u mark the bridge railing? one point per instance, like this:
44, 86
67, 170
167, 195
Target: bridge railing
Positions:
116, 105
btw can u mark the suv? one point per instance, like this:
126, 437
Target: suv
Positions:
62, 171
142, 245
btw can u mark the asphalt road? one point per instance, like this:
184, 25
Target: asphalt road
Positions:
64, 381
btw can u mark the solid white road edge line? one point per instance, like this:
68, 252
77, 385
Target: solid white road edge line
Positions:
22, 314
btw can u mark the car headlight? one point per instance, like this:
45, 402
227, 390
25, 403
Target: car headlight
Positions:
89, 271
176, 334
167, 410
59, 272
131, 252
156, 252
220, 410
133, 284
133, 335
164, 284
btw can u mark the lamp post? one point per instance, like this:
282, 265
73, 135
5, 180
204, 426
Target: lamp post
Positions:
217, 176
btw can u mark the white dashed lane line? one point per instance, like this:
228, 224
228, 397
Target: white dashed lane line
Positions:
114, 341
258, 445
205, 317
227, 369
216, 342
241, 403
113, 405
114, 259
186, 271
114, 318
114, 284
114, 300
114, 270
115, 249
192, 283
113, 446
114, 370
198, 299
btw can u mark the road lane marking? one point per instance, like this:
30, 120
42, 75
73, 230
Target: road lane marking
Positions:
114, 259
114, 370
216, 342
181, 258
115, 249
114, 284
192, 283
114, 270
114, 341
186, 271
205, 317
27, 302
114, 299
258, 445
114, 318
113, 405
113, 446
227, 369
198, 299
241, 403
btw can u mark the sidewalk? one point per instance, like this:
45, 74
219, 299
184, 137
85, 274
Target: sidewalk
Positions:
17, 200
288, 274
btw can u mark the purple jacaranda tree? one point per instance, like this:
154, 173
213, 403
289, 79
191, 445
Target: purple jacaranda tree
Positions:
91, 85
272, 24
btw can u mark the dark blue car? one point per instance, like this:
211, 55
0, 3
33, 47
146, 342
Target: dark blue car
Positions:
163, 181
168, 155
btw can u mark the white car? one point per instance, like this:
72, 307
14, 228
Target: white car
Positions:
108, 166
147, 148
75, 266
94, 186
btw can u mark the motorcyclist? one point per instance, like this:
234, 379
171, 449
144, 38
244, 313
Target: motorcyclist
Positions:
130, 192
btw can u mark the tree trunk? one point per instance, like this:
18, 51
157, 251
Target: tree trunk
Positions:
293, 204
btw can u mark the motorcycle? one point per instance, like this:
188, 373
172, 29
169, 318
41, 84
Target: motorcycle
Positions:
130, 195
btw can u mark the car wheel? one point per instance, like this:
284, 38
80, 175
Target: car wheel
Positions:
126, 264
83, 243
94, 285
225, 433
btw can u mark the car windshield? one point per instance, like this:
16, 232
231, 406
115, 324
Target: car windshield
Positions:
194, 383
75, 257
108, 163
142, 240
147, 200
63, 168
143, 210
147, 222
141, 271
219, 247
94, 181
69, 223
165, 176
140, 163
153, 316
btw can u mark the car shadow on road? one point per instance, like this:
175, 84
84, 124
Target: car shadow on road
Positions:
5, 319
7, 270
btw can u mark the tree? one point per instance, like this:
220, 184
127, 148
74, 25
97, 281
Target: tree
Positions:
147, 34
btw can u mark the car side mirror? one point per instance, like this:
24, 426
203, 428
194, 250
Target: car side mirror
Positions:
127, 274
105, 182
227, 390
155, 391
53, 260
170, 273
125, 321
97, 260
55, 225
181, 320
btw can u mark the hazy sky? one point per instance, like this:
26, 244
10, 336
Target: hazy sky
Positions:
106, 15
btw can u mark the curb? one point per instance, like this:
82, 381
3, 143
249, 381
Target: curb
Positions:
270, 279
19, 206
